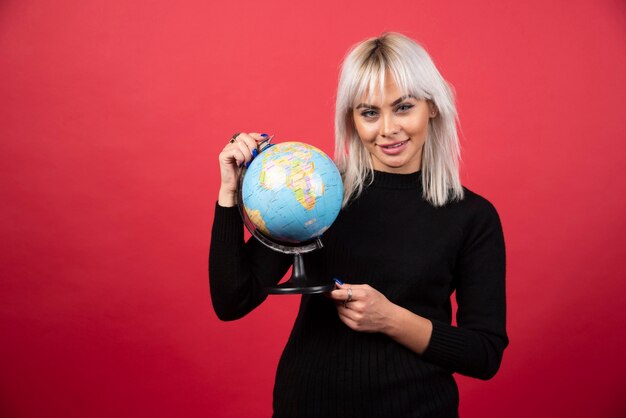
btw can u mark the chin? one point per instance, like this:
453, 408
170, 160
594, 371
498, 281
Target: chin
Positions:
397, 165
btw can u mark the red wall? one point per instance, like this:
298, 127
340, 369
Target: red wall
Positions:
112, 115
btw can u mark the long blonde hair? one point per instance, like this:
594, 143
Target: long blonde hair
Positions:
364, 69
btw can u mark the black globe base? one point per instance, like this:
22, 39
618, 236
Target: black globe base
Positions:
294, 288
299, 283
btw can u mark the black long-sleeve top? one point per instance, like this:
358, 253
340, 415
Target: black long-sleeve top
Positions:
415, 254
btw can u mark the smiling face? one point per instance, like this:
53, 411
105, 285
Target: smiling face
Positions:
393, 128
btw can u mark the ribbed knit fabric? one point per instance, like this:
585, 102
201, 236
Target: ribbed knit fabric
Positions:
417, 256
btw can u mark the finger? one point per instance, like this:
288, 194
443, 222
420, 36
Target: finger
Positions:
359, 291
238, 156
246, 140
245, 150
335, 294
252, 143
346, 314
253, 139
231, 155
353, 306
258, 137
347, 293
340, 285
340, 294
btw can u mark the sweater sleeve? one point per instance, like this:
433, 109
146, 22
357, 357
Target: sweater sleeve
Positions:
238, 271
475, 347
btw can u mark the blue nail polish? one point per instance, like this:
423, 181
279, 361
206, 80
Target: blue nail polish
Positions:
248, 164
264, 135
339, 282
254, 153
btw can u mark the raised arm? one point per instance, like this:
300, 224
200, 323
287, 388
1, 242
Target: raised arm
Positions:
238, 272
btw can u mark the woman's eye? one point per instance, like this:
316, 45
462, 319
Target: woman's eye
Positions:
368, 113
404, 107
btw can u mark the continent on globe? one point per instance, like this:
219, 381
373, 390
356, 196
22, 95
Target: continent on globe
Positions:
257, 219
292, 192
295, 169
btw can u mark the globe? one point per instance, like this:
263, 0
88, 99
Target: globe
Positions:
290, 195
292, 192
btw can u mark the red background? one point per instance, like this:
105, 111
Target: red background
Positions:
112, 116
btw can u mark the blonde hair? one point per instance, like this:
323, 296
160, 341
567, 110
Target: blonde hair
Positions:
365, 68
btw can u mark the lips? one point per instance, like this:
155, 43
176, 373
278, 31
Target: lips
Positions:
394, 145
393, 148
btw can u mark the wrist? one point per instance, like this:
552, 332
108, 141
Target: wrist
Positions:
393, 323
227, 198
409, 329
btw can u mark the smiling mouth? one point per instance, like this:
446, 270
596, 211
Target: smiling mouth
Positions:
396, 145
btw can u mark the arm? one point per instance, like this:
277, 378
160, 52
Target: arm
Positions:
368, 310
475, 347
238, 272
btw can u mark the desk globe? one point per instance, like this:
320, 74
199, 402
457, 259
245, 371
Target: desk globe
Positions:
288, 196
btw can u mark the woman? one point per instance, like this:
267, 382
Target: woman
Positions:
409, 235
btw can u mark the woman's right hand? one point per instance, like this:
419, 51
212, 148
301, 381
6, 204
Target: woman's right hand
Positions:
232, 158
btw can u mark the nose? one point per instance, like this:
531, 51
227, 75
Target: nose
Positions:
388, 126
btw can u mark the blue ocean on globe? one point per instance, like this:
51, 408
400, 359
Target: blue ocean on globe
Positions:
292, 192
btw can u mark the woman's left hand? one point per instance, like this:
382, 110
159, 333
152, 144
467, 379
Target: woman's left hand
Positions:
363, 308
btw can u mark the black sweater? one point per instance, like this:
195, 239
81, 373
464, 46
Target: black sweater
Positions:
417, 256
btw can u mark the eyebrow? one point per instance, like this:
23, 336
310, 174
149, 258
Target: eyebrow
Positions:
368, 106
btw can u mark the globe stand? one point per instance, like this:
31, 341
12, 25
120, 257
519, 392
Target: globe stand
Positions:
299, 283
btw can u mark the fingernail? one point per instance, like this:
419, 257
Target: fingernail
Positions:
339, 282
254, 153
264, 135
248, 164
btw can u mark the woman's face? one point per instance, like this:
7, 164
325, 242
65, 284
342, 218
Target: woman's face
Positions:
393, 128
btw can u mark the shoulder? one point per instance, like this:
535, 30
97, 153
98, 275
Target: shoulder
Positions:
475, 211
481, 219
476, 203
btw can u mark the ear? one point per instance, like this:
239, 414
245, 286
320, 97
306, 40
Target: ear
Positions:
433, 111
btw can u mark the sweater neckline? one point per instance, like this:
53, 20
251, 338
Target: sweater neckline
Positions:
397, 181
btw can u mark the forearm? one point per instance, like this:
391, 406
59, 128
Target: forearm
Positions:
468, 352
409, 329
229, 282
234, 291
365, 309
239, 272
227, 198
